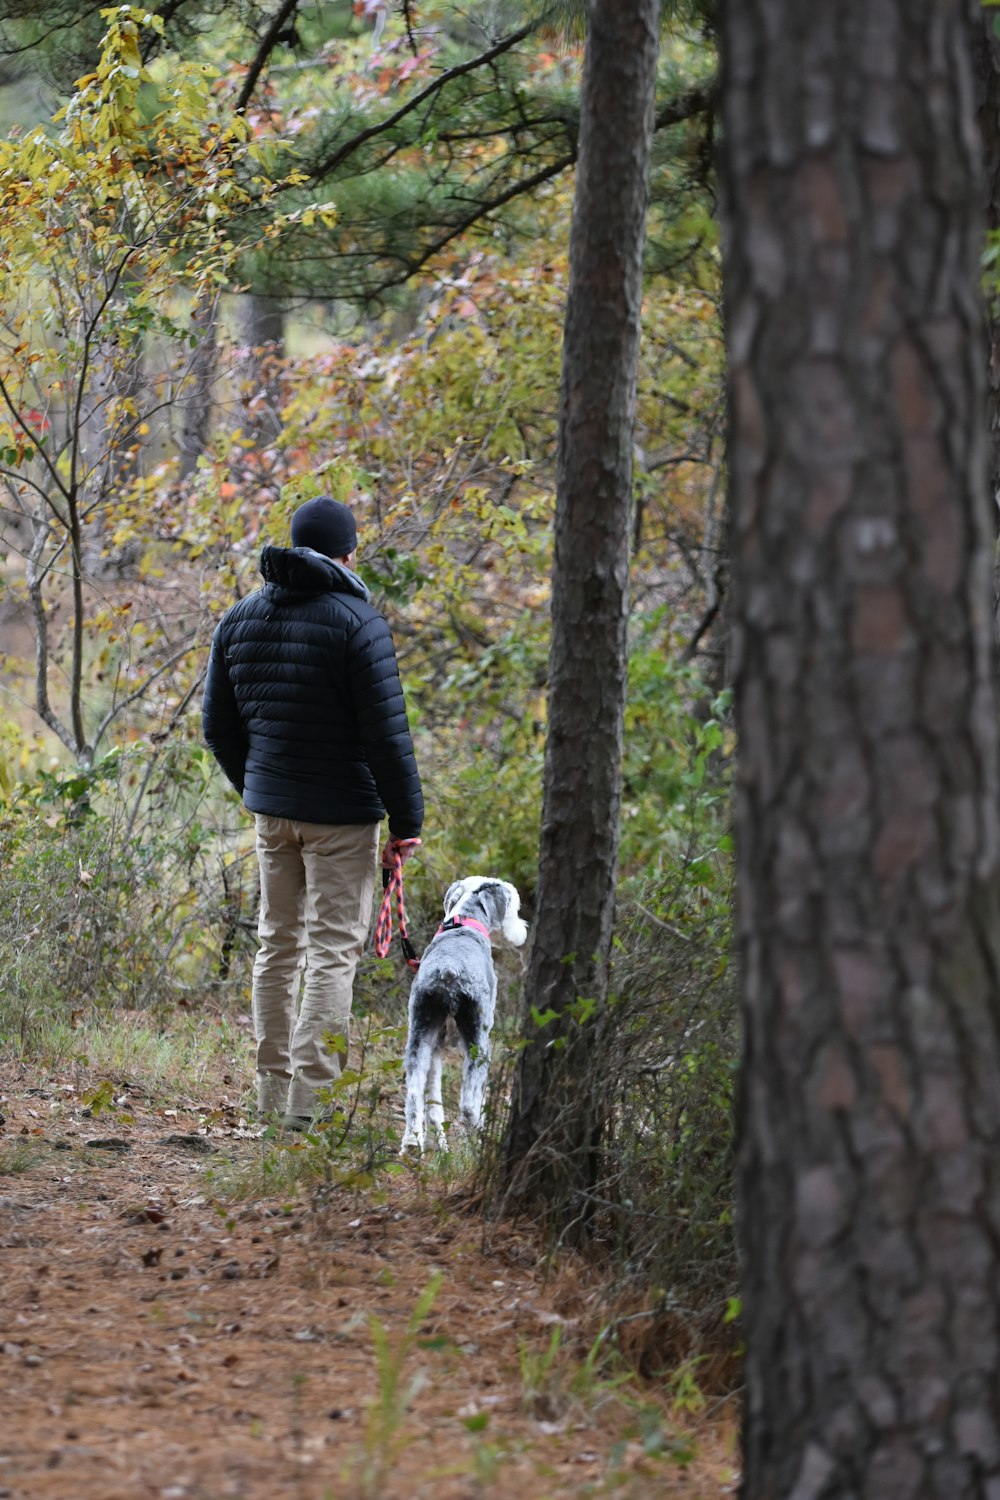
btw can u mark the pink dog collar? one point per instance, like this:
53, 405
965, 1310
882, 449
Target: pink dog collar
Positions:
455, 922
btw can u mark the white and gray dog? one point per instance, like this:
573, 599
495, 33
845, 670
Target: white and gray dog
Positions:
457, 981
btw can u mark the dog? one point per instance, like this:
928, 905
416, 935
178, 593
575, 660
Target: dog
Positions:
456, 981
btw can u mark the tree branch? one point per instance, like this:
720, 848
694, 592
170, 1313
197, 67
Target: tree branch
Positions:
267, 45
381, 269
323, 169
142, 688
154, 758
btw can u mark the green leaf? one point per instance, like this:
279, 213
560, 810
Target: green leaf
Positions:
100, 1098
543, 1017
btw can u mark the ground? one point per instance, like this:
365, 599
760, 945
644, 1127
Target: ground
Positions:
172, 1325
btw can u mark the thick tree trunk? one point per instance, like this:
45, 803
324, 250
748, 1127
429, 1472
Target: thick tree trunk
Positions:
869, 1154
556, 1118
986, 58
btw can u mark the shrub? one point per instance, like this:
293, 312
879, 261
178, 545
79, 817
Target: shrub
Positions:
113, 894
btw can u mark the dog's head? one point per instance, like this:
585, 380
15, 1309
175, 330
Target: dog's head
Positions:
494, 901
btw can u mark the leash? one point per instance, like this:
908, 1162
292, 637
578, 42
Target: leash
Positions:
392, 885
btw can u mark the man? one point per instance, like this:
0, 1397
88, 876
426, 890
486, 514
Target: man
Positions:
304, 712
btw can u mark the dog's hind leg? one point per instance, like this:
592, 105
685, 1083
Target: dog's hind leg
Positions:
420, 1053
474, 1073
435, 1101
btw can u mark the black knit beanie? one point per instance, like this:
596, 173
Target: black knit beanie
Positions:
326, 526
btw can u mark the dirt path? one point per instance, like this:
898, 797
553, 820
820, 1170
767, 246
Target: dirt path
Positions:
158, 1341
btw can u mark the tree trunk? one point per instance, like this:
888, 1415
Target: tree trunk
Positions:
986, 57
869, 1123
556, 1117
264, 336
198, 387
264, 323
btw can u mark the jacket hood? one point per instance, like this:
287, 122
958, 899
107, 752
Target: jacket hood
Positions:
300, 570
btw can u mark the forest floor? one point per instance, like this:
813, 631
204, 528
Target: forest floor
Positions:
174, 1325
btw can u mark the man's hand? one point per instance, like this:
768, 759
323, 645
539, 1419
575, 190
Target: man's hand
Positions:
403, 847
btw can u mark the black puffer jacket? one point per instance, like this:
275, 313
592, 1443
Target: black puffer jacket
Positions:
303, 708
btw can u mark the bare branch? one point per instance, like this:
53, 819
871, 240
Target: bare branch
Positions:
19, 421
154, 758
138, 692
267, 45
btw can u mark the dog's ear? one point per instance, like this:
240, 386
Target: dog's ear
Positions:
453, 895
513, 928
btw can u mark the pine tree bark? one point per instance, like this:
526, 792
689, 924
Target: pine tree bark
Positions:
556, 1118
986, 60
869, 1123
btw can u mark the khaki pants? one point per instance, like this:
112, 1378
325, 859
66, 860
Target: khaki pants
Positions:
316, 884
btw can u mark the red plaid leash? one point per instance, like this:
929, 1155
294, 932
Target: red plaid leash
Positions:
392, 881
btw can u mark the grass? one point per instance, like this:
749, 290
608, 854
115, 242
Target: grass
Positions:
18, 1156
189, 1053
386, 1414
195, 1054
